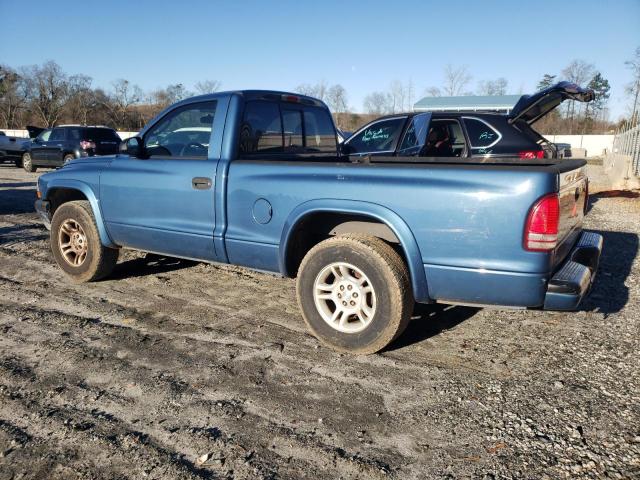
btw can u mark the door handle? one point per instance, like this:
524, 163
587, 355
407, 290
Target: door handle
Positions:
201, 183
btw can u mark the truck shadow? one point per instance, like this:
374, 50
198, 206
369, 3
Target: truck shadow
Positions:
594, 198
29, 232
609, 293
150, 264
429, 320
17, 200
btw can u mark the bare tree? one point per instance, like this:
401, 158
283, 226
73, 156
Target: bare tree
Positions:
633, 88
207, 86
456, 80
13, 97
433, 92
337, 98
81, 98
48, 89
377, 103
119, 102
172, 94
319, 90
409, 93
580, 72
493, 87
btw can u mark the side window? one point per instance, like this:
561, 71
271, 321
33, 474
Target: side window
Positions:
416, 135
481, 134
183, 132
292, 124
57, 135
44, 136
320, 134
378, 137
445, 139
261, 129
74, 134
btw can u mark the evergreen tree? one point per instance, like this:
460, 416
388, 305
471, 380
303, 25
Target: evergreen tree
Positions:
546, 81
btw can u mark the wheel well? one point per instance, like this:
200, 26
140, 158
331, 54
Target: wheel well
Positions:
58, 196
316, 227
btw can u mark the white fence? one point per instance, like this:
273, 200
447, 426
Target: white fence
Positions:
594, 145
622, 165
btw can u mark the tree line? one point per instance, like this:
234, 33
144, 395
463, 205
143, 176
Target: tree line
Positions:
45, 95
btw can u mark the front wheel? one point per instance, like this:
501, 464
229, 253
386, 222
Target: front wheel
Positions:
354, 293
76, 246
27, 163
67, 158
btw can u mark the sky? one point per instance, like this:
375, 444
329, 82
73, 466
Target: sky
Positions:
362, 45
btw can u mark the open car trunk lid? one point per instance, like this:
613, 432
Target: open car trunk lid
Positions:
531, 108
34, 131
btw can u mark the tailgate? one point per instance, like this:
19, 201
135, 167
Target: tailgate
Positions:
573, 192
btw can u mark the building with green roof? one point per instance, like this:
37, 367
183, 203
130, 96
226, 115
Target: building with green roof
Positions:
468, 103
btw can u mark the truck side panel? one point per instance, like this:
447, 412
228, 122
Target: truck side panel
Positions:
463, 216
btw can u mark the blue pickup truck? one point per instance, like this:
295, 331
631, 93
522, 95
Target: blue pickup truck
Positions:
257, 178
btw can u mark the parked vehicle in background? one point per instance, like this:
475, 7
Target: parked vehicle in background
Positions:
54, 147
12, 148
268, 189
458, 134
563, 149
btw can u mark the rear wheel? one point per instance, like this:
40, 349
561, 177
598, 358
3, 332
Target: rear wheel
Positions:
354, 293
27, 163
76, 246
18, 162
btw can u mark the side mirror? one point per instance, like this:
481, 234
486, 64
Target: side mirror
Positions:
133, 147
35, 140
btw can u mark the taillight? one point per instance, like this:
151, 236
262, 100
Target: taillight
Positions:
87, 144
541, 229
531, 154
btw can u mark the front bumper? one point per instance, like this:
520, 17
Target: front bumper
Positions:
43, 209
573, 281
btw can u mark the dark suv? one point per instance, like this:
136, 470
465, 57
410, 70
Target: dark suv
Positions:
466, 134
54, 147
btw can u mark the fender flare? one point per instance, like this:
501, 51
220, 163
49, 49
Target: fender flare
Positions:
374, 210
88, 192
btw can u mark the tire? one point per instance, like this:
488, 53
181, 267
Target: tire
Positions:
84, 258
18, 162
67, 158
27, 163
369, 266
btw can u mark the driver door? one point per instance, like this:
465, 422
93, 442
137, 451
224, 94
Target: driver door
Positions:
38, 147
164, 202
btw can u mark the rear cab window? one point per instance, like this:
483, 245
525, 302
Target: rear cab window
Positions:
281, 127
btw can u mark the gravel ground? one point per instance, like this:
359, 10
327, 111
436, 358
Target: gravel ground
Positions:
177, 370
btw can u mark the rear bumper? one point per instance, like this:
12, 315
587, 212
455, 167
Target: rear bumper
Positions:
42, 207
572, 282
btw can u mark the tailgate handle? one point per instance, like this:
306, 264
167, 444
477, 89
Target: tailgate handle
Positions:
201, 183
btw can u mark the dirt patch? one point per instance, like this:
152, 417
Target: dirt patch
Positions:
175, 369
